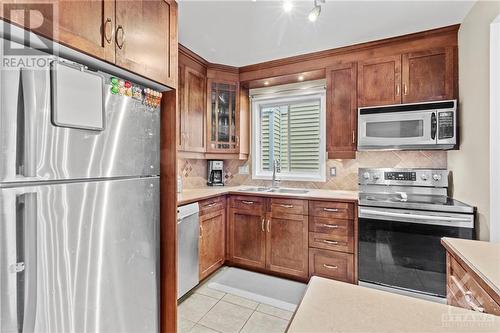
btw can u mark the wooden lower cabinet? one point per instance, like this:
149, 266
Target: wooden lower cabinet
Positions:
286, 245
332, 264
247, 236
212, 248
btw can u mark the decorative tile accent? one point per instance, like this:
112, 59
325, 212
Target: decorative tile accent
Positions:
194, 172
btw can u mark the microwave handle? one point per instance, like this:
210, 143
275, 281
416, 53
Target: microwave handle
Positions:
433, 126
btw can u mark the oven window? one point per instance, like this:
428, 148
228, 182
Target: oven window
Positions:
405, 255
395, 129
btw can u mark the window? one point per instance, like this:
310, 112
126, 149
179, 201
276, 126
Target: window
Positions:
289, 129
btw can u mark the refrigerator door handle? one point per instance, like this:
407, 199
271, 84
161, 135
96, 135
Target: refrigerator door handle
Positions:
26, 129
26, 220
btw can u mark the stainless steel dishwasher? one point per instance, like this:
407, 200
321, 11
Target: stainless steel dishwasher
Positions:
188, 225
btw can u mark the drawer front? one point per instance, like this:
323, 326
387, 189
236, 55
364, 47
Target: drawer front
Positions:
334, 210
331, 264
331, 242
212, 205
288, 206
328, 226
466, 292
242, 202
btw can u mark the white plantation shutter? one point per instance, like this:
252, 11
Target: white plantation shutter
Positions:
290, 133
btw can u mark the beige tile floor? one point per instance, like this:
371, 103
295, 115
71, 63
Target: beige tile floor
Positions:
208, 310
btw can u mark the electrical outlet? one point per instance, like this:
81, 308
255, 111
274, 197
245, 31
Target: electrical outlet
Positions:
333, 171
244, 170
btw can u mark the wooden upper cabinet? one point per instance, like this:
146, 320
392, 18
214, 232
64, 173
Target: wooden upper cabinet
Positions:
341, 110
146, 38
428, 75
193, 111
379, 81
212, 241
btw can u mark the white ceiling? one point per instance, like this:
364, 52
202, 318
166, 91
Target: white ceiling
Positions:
246, 32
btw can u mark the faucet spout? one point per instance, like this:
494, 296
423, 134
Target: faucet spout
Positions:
276, 182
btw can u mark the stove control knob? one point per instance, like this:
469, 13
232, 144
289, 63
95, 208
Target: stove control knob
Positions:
366, 175
424, 177
436, 177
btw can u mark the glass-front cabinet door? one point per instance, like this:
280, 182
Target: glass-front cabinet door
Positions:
223, 116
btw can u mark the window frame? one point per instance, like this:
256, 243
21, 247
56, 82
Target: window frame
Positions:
268, 100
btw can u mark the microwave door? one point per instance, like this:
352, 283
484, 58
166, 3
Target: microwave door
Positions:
393, 130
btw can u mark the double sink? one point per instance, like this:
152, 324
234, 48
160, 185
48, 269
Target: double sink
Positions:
275, 190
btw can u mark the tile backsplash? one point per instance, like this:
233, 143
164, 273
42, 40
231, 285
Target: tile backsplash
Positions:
194, 172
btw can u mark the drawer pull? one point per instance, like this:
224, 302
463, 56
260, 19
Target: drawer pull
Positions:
332, 226
329, 242
330, 266
331, 210
286, 206
262, 224
211, 204
471, 301
246, 202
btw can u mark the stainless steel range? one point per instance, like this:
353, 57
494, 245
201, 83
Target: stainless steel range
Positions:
403, 213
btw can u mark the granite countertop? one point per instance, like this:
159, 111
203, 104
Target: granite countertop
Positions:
333, 306
193, 195
482, 257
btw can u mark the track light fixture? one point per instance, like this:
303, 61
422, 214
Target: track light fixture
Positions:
314, 13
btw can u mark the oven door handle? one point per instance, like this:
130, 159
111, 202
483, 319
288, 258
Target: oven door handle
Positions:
417, 217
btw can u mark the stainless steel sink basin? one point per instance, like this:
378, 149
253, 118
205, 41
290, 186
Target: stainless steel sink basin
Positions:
288, 190
256, 189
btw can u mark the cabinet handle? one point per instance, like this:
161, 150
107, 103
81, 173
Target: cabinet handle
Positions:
237, 141
332, 226
471, 301
353, 137
120, 37
405, 89
398, 90
107, 37
330, 242
211, 204
331, 210
201, 231
262, 224
330, 266
247, 202
268, 225
286, 206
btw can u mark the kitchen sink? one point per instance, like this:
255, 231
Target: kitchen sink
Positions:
288, 190
256, 189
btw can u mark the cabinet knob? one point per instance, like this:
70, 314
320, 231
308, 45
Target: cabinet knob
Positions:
120, 36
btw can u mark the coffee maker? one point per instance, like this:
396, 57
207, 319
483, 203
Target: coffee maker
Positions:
215, 173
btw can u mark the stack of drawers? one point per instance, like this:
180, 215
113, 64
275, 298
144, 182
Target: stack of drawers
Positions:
331, 240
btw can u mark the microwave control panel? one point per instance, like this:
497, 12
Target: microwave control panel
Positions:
446, 123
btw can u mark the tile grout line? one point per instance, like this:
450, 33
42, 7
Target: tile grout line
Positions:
246, 321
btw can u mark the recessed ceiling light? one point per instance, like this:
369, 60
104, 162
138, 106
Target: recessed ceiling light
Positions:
301, 77
266, 83
313, 15
287, 6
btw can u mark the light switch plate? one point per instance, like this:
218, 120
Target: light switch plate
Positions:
244, 170
333, 171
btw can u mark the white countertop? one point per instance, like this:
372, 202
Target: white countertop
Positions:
482, 257
192, 195
333, 306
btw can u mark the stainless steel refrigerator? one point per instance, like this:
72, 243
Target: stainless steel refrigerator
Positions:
79, 202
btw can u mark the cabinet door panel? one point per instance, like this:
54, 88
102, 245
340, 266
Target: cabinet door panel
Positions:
212, 242
143, 34
247, 243
379, 81
428, 75
341, 111
193, 111
287, 246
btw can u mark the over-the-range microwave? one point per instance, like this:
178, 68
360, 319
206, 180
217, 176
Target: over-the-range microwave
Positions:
430, 125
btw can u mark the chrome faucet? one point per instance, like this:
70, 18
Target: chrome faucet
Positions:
276, 168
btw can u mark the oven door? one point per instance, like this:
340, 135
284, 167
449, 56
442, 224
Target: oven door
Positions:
384, 130
403, 249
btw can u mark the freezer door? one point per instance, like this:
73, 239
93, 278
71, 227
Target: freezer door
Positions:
33, 148
80, 257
